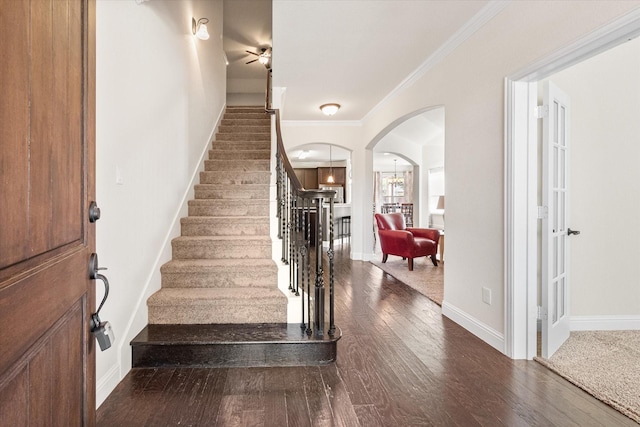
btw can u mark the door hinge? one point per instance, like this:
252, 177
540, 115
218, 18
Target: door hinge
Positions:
542, 313
543, 212
542, 111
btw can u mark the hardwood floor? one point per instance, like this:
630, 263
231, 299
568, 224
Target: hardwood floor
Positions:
400, 363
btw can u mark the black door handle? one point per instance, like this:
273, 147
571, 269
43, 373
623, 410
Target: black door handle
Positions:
570, 232
101, 330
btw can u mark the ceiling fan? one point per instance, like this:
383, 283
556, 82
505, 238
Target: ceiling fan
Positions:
264, 57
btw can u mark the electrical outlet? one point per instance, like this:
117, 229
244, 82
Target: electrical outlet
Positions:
486, 295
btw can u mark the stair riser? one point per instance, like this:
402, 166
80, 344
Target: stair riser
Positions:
227, 249
221, 311
244, 122
222, 277
246, 116
245, 109
227, 345
243, 137
226, 193
229, 209
235, 178
226, 228
237, 165
245, 128
240, 155
234, 355
241, 146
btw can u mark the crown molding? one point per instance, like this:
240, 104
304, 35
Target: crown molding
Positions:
480, 19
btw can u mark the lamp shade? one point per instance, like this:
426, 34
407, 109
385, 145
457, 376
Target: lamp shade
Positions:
202, 32
199, 28
440, 202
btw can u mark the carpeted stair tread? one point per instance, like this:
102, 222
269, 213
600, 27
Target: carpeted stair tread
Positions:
203, 273
205, 296
257, 239
231, 191
235, 177
249, 154
216, 305
248, 128
243, 136
245, 165
211, 265
246, 115
241, 122
240, 146
211, 207
244, 218
210, 247
225, 225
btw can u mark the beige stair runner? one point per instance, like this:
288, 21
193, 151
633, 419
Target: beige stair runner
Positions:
222, 270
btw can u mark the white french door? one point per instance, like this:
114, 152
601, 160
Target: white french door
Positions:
555, 230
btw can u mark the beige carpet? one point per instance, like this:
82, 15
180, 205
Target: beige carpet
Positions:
425, 277
606, 364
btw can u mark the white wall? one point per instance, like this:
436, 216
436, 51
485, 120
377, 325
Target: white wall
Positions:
160, 93
604, 182
469, 83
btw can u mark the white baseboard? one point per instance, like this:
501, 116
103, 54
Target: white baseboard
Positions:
360, 256
106, 384
487, 334
605, 323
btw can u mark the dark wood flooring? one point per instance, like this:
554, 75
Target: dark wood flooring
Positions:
400, 363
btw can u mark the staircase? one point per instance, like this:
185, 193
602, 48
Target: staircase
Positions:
219, 303
222, 270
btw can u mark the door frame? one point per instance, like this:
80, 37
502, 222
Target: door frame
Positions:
521, 179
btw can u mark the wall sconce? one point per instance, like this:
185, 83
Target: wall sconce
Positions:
329, 109
199, 28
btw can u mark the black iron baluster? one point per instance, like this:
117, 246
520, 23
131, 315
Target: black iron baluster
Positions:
330, 255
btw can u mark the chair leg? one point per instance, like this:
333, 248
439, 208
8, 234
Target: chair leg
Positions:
434, 260
384, 258
410, 264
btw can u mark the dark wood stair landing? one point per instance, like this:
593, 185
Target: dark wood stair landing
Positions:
231, 345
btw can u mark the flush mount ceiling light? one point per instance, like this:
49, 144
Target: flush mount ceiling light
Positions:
199, 28
329, 109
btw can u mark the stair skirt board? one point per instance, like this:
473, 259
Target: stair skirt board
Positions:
236, 345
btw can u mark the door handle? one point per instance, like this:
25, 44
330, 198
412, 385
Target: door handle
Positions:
101, 330
570, 232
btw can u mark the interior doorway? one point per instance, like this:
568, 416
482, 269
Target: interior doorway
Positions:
522, 178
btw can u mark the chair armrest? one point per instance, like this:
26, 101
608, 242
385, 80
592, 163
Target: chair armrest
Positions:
396, 239
429, 233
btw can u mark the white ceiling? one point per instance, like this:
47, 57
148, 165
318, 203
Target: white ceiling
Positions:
353, 52
246, 26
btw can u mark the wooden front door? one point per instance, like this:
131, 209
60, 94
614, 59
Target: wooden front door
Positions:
47, 107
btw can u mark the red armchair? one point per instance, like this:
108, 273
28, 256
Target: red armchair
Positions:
410, 243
